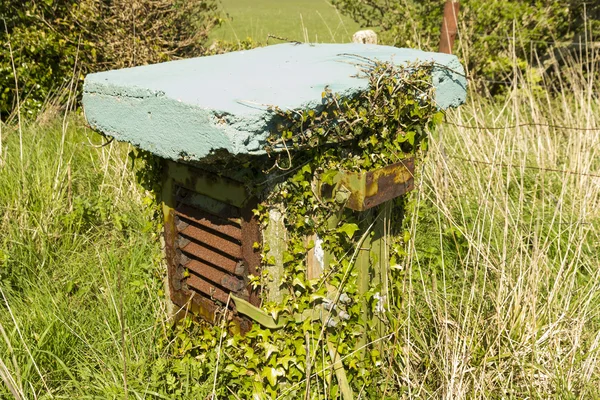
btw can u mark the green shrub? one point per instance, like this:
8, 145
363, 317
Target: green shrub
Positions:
47, 37
488, 29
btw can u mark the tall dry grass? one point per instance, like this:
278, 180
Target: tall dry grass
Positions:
502, 286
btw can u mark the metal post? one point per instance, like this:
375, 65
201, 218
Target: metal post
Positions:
449, 26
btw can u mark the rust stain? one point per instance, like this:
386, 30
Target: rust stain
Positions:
370, 189
389, 182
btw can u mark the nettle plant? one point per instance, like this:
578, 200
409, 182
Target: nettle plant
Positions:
324, 344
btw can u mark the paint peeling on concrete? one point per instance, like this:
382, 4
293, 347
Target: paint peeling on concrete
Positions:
192, 108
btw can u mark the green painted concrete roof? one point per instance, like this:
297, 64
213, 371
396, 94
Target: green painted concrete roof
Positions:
189, 108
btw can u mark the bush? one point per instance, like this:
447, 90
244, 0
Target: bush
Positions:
488, 30
47, 37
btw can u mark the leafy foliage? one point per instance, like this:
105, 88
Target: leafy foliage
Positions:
55, 42
376, 128
491, 33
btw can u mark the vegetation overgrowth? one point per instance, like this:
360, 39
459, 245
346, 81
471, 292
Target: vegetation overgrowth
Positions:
51, 45
492, 33
334, 314
499, 285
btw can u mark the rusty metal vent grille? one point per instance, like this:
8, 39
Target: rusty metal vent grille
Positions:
210, 248
213, 253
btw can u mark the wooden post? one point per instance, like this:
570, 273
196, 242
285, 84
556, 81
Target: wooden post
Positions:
449, 26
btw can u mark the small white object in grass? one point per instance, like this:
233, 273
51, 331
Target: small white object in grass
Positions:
344, 316
328, 305
366, 36
331, 323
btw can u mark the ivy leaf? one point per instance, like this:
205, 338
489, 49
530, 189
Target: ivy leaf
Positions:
328, 176
275, 314
285, 361
299, 346
231, 368
272, 374
298, 282
314, 297
249, 354
270, 348
287, 257
410, 136
348, 229
353, 364
258, 392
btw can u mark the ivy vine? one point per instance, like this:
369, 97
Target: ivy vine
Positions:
377, 127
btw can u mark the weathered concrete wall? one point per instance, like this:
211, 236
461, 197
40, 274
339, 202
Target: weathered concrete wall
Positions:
189, 108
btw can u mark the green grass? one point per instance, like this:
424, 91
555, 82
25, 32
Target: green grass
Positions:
79, 274
501, 284
314, 21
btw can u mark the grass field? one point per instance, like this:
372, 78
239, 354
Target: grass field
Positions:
314, 21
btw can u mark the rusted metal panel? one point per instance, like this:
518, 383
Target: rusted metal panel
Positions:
220, 225
210, 232
215, 275
370, 189
388, 183
211, 239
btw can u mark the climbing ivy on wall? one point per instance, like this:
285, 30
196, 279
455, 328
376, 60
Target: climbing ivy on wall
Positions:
333, 338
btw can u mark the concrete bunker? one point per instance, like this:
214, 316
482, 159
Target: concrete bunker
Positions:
208, 119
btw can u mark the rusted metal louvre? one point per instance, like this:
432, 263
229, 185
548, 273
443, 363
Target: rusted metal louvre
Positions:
210, 246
